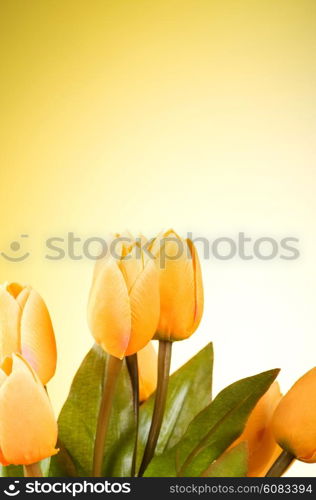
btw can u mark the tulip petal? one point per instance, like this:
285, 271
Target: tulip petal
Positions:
156, 244
263, 449
198, 287
3, 377
109, 313
102, 260
311, 459
10, 314
14, 289
177, 291
144, 301
127, 241
294, 419
131, 266
22, 297
28, 429
147, 369
38, 344
2, 459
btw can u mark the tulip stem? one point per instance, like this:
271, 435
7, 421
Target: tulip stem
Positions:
281, 464
132, 366
164, 358
32, 470
110, 379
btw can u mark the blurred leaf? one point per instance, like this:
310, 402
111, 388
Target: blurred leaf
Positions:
233, 463
213, 429
189, 392
11, 471
45, 465
17, 470
62, 465
78, 420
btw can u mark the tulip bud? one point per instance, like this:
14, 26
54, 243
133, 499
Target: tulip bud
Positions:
123, 307
294, 420
147, 370
181, 289
26, 328
262, 447
28, 429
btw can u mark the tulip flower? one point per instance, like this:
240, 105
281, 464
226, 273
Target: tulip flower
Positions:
123, 308
181, 289
262, 447
123, 313
26, 328
147, 370
181, 308
294, 420
28, 429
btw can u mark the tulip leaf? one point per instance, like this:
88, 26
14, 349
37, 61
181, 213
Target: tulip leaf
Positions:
189, 392
233, 463
213, 429
78, 420
17, 470
11, 471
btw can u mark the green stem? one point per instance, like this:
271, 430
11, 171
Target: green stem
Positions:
281, 464
132, 366
164, 358
32, 470
111, 375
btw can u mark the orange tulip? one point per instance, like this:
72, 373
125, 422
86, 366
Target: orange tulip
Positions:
262, 447
123, 307
147, 370
294, 420
181, 289
26, 327
28, 429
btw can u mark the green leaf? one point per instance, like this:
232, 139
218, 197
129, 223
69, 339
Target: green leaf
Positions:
17, 470
62, 464
189, 392
78, 420
45, 465
233, 463
213, 429
11, 471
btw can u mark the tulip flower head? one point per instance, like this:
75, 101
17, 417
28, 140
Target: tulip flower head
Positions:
123, 309
26, 328
294, 420
181, 288
262, 447
28, 429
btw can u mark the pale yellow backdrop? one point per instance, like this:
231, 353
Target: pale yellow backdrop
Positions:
196, 114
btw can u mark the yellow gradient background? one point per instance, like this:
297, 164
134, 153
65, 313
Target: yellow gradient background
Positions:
195, 114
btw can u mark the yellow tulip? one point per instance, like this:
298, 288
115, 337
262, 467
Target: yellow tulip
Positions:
28, 429
123, 307
26, 328
294, 420
262, 447
147, 370
181, 289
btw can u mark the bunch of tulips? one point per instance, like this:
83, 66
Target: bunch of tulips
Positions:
147, 290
